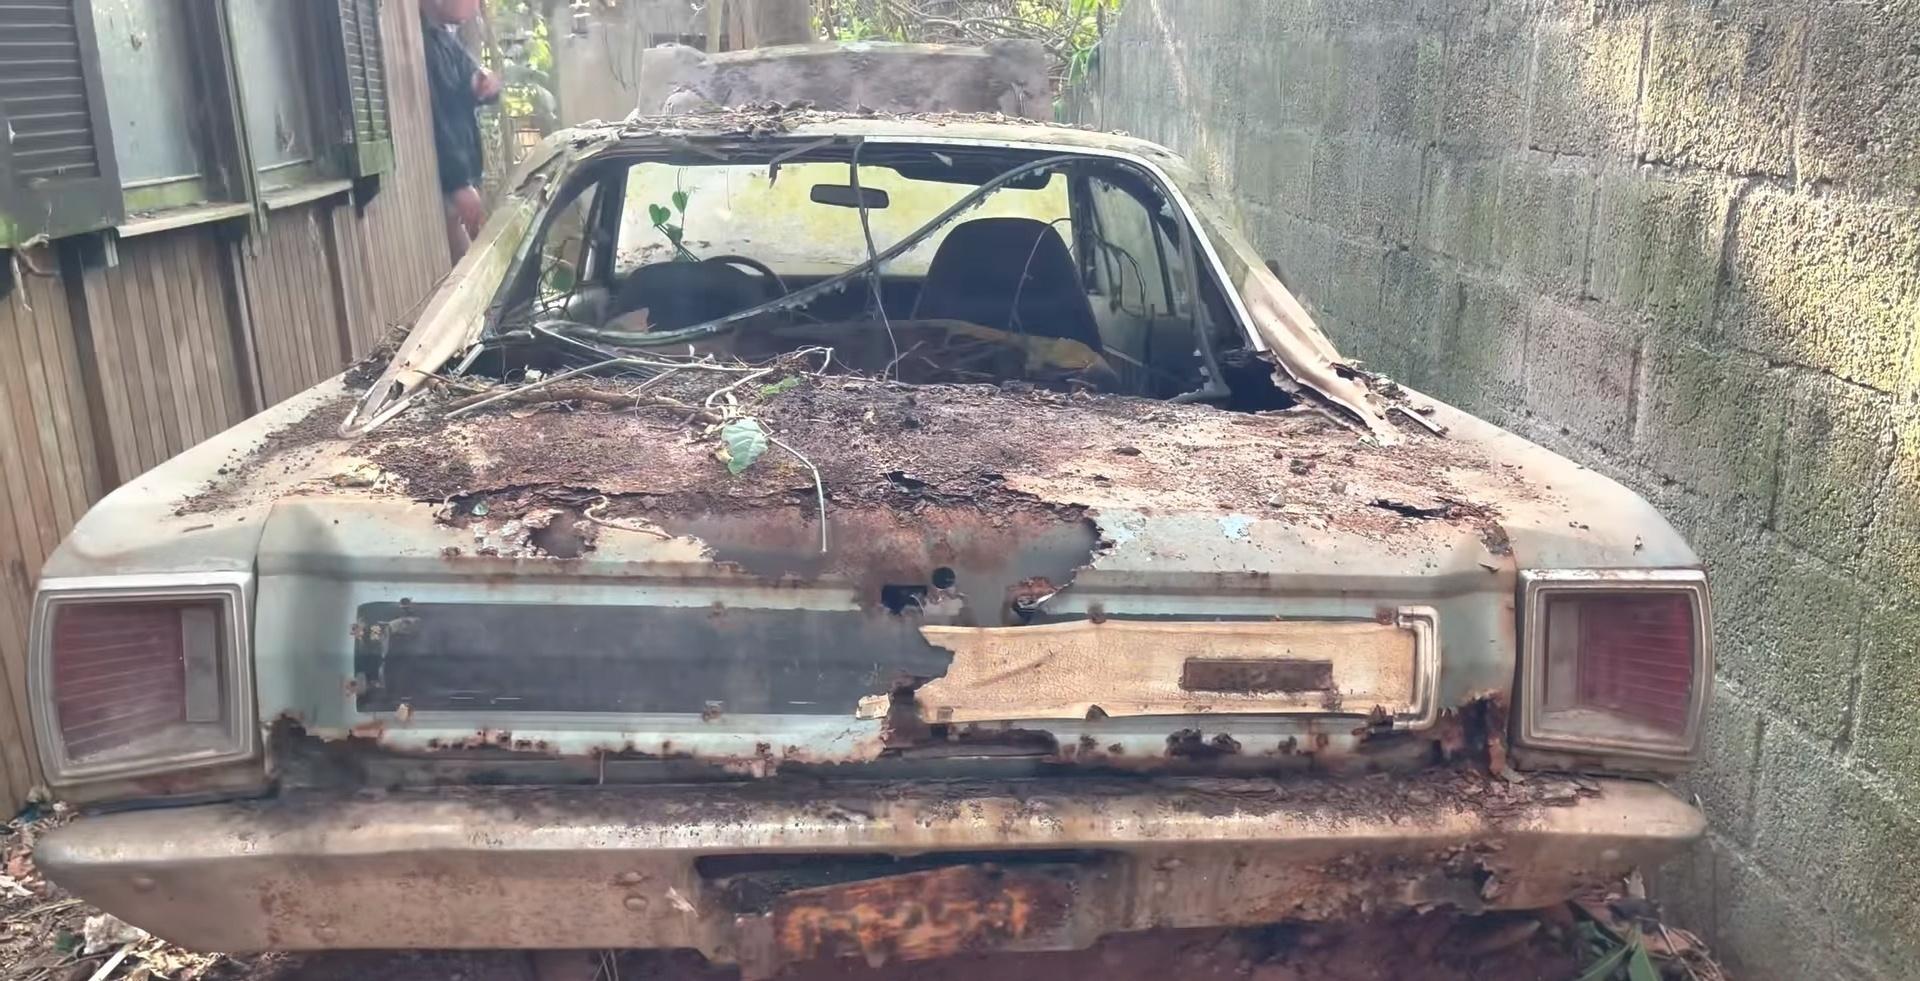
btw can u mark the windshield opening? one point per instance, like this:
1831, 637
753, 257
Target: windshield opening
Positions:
995, 265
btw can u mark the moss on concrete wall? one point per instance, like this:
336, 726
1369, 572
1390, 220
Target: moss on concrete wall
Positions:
1678, 240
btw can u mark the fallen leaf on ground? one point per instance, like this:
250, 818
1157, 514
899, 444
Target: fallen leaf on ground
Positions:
107, 930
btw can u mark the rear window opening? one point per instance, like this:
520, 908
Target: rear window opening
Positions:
995, 265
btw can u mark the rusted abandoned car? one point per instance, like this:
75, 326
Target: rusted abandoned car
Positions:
795, 535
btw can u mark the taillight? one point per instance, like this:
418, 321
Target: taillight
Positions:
1615, 661
131, 679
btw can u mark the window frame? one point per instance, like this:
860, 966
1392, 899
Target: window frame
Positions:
230, 185
373, 155
1215, 315
76, 206
1097, 264
321, 164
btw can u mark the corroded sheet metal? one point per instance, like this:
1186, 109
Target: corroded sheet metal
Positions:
1253, 675
606, 867
1125, 668
918, 916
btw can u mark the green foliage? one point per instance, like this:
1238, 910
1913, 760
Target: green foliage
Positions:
742, 442
521, 51
1086, 17
559, 276
672, 223
1070, 29
1629, 955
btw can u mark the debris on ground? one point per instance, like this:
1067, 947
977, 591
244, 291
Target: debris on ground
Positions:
46, 935
1625, 937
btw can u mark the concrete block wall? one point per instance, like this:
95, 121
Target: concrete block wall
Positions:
1678, 240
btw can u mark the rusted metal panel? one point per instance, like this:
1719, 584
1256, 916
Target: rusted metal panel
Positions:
918, 916
1119, 668
607, 867
1253, 676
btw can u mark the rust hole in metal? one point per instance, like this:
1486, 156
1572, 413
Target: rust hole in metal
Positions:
1256, 675
1192, 744
899, 597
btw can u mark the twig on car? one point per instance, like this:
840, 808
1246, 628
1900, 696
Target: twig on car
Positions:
726, 391
617, 524
819, 488
889, 372
467, 405
582, 392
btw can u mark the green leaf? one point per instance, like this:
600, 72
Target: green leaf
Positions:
560, 277
744, 442
1603, 968
673, 233
659, 214
680, 201
1639, 965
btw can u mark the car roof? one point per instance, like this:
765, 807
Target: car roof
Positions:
801, 123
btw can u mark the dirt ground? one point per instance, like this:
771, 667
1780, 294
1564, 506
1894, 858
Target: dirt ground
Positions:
1437, 947
46, 935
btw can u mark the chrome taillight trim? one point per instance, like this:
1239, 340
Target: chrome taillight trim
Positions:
234, 590
1537, 584
1424, 621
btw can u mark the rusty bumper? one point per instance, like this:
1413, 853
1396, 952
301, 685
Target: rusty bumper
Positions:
765, 874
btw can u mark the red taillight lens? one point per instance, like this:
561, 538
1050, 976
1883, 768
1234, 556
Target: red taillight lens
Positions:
1617, 670
141, 683
129, 673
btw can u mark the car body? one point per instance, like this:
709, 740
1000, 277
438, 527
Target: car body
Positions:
1001, 636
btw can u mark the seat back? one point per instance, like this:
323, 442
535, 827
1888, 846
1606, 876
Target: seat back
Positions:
681, 294
1013, 274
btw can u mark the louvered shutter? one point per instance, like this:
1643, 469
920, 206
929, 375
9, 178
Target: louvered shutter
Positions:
57, 173
363, 60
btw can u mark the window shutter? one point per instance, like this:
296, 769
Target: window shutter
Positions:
363, 58
57, 173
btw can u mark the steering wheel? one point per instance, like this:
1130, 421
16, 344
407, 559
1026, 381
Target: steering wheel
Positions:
748, 262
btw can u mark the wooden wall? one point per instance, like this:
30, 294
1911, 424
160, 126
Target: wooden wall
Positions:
106, 371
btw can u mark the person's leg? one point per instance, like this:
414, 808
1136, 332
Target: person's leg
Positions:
464, 210
458, 238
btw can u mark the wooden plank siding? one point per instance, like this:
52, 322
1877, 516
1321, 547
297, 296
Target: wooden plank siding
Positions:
162, 338
109, 370
49, 474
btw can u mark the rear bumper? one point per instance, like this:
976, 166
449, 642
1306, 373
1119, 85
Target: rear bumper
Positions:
1027, 865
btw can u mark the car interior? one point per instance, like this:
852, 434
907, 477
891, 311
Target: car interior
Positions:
995, 264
